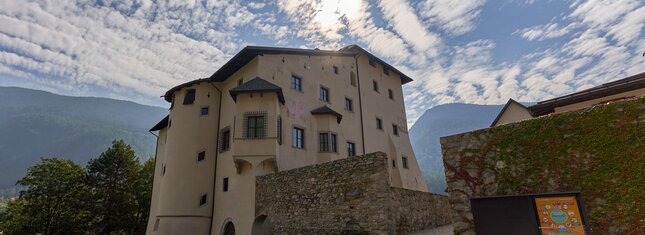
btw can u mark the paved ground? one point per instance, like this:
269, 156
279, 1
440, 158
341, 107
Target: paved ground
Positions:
443, 230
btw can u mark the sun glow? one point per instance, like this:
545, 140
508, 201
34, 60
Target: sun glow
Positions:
330, 12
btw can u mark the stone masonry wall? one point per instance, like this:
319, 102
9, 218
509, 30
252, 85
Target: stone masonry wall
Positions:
348, 196
598, 151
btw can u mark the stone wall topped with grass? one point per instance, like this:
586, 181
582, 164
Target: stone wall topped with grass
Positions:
598, 151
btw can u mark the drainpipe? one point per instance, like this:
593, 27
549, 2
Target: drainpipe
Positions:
360, 102
219, 120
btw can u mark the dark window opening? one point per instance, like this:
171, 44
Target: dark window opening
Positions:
225, 184
225, 140
352, 79
386, 71
351, 149
379, 124
201, 156
324, 94
240, 82
393, 163
163, 170
404, 161
204, 111
255, 126
375, 86
189, 98
335, 70
395, 129
372, 63
298, 138
390, 93
202, 200
296, 83
349, 104
279, 127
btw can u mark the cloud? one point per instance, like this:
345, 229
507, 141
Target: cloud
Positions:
454, 17
543, 32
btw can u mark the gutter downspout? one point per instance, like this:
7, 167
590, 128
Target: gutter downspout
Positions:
154, 177
360, 102
219, 120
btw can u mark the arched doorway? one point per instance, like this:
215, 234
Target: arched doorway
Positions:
262, 226
229, 229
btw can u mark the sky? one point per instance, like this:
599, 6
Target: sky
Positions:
467, 51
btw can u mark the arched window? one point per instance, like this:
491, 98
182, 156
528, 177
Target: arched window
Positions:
229, 229
352, 78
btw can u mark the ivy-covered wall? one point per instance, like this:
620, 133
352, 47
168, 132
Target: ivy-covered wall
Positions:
598, 151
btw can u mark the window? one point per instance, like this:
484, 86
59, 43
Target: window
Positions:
328, 142
225, 139
225, 184
201, 156
379, 124
279, 130
395, 129
239, 82
298, 138
390, 94
352, 78
386, 71
335, 70
351, 149
404, 161
296, 83
202, 200
349, 104
393, 163
375, 86
204, 111
372, 63
189, 98
255, 125
324, 94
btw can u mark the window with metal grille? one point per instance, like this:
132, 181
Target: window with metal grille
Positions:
324, 94
327, 142
298, 138
189, 98
351, 149
296, 83
255, 125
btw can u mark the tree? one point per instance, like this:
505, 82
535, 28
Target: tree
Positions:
51, 202
144, 195
113, 177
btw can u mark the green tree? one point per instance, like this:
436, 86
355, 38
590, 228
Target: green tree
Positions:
113, 177
144, 195
52, 202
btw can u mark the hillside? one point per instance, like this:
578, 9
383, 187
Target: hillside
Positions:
444, 120
38, 124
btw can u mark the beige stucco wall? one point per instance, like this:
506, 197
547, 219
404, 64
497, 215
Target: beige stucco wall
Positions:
513, 113
589, 103
177, 193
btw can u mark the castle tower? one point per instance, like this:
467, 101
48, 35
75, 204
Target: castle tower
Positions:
267, 110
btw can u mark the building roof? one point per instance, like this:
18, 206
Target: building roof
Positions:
611, 88
162, 124
508, 103
248, 53
326, 110
257, 85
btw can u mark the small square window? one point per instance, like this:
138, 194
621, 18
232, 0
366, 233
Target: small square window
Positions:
204, 111
189, 98
225, 184
335, 70
379, 124
375, 86
349, 104
395, 129
202, 200
390, 94
201, 156
404, 161
324, 94
386, 71
296, 83
372, 63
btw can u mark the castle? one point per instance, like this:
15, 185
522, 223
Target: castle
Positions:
271, 110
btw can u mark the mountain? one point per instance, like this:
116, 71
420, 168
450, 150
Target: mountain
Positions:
445, 120
36, 124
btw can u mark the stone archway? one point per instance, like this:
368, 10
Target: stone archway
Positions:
262, 226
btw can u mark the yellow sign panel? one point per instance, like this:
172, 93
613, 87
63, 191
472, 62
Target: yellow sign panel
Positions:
559, 216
